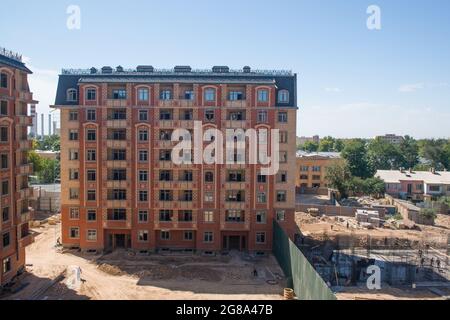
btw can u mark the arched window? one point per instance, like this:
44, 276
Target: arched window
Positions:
263, 95
283, 96
3, 80
91, 94
72, 95
210, 94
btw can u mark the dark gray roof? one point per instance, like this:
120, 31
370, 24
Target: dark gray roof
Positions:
71, 78
13, 63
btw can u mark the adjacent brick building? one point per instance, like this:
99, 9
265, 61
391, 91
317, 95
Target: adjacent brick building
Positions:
120, 187
15, 96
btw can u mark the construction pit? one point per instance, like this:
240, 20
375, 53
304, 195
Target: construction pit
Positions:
413, 263
54, 274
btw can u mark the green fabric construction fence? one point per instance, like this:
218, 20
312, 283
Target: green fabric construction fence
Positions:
306, 282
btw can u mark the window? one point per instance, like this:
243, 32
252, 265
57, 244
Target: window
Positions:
143, 115
208, 237
235, 196
236, 115
283, 96
118, 154
261, 237
282, 177
143, 135
165, 195
283, 157
91, 135
72, 95
92, 235
303, 177
4, 161
165, 235
262, 117
186, 195
235, 96
209, 176
185, 216
142, 235
143, 94
165, 115
434, 188
4, 134
118, 194
73, 135
73, 154
91, 215
304, 168
3, 80
209, 115
143, 195
91, 195
118, 214
210, 95
261, 217
280, 214
91, 155
236, 176
263, 95
234, 216
189, 95
283, 137
3, 108
165, 215
6, 265
208, 216
91, 115
209, 196
281, 196
74, 214
91, 94
165, 95
143, 175
419, 187
188, 235
5, 214
165, 155
143, 216
5, 187
73, 193
316, 177
6, 239
73, 116
282, 117
91, 175
143, 155
316, 168
165, 175
261, 178
119, 94
118, 135
118, 114
261, 197
74, 233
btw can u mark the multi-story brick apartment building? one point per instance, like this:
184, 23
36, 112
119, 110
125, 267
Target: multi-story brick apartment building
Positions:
15, 193
312, 170
120, 187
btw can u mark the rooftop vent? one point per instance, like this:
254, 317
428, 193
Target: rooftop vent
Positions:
119, 69
247, 69
107, 70
182, 69
145, 69
220, 69
93, 70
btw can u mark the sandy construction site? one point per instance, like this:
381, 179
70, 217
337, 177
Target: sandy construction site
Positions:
51, 274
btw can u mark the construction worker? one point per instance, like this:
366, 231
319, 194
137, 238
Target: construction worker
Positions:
438, 263
255, 272
432, 261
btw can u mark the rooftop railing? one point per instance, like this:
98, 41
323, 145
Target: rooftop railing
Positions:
172, 72
10, 54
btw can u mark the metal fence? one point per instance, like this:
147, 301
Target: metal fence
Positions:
306, 282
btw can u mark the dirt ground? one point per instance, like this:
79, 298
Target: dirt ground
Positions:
388, 293
151, 277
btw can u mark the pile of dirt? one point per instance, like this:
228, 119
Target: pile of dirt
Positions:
157, 273
109, 269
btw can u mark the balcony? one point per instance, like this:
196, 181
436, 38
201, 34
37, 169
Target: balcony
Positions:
117, 123
118, 184
26, 96
117, 144
117, 164
185, 103
24, 216
235, 124
165, 124
114, 103
234, 226
25, 169
25, 120
234, 205
168, 103
26, 240
25, 144
236, 103
117, 203
117, 224
26, 192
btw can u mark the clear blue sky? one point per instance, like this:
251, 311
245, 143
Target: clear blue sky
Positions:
352, 81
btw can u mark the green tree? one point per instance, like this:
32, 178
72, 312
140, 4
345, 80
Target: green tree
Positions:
338, 145
337, 175
409, 151
435, 151
310, 146
326, 144
355, 152
36, 161
49, 143
50, 171
383, 155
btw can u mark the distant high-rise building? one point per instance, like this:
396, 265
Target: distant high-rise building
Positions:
391, 138
15, 96
33, 116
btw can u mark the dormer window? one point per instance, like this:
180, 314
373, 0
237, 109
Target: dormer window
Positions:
210, 95
283, 96
72, 95
4, 80
91, 94
263, 95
